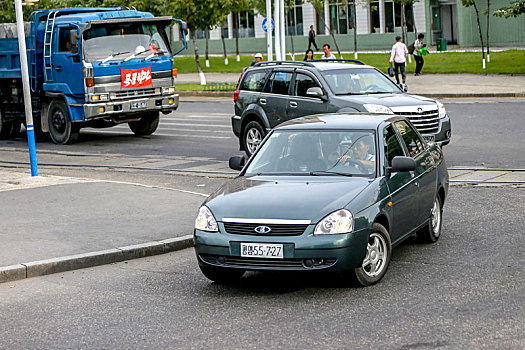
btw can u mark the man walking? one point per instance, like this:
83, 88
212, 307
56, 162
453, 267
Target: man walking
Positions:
418, 53
311, 38
327, 55
398, 57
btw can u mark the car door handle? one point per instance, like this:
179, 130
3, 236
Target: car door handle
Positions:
262, 101
58, 68
293, 104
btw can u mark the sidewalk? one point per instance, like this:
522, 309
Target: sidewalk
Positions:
53, 224
430, 85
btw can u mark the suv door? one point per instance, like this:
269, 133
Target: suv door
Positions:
425, 175
300, 104
401, 186
275, 95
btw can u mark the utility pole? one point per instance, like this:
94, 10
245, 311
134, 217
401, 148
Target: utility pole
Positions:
283, 29
25, 83
269, 29
277, 21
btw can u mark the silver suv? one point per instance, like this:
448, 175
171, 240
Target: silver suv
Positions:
270, 93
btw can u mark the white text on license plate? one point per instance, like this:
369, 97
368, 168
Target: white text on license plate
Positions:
429, 138
262, 250
139, 105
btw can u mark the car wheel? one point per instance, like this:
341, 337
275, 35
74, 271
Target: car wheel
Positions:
222, 274
146, 125
252, 137
377, 259
432, 231
61, 129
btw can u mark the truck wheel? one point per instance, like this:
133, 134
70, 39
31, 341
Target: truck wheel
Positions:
146, 125
61, 129
6, 128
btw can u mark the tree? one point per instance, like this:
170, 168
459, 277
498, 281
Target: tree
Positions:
236, 7
515, 9
319, 7
468, 3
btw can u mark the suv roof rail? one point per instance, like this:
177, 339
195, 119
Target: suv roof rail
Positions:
278, 63
338, 60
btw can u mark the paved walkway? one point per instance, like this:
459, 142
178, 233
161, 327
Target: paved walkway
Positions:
444, 85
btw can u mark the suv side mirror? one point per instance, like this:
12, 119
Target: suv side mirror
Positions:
403, 164
236, 162
403, 87
315, 92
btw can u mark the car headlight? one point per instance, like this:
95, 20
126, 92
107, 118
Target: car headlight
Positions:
372, 108
340, 221
205, 220
168, 90
441, 109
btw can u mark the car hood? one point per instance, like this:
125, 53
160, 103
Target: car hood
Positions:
390, 100
284, 197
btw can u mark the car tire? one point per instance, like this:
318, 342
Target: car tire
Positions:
147, 125
377, 259
252, 137
431, 232
222, 274
61, 130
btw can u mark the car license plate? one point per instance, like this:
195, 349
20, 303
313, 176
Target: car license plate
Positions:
139, 105
429, 138
262, 250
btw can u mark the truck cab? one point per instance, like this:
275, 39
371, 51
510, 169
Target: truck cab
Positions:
99, 67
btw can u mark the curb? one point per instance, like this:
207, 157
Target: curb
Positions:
431, 95
102, 257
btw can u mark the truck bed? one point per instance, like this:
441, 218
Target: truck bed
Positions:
9, 55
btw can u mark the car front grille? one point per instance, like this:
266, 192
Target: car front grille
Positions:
233, 261
235, 228
426, 122
132, 93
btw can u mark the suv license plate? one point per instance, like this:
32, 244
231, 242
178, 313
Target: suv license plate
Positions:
429, 138
139, 105
262, 250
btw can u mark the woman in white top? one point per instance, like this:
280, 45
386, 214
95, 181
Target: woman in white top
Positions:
398, 57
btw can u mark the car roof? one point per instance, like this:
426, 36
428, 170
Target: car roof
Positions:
317, 64
361, 121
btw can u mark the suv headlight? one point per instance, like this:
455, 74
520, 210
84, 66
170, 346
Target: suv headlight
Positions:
340, 221
372, 108
441, 109
168, 90
205, 220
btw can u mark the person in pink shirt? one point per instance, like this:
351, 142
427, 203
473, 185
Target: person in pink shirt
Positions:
398, 57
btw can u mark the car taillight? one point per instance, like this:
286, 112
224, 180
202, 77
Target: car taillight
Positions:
90, 82
236, 95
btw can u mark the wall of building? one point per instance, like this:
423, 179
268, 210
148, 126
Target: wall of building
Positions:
503, 31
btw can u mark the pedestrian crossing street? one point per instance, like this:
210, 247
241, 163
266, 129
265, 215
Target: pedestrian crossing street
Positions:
182, 125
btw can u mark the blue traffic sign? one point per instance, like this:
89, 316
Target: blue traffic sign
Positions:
265, 24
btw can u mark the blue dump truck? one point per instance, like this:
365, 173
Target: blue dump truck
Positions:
90, 67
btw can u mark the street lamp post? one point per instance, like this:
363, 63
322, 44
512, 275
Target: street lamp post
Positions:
25, 84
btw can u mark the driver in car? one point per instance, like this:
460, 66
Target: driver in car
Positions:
362, 154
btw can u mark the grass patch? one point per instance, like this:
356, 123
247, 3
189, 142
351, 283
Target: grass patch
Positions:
504, 62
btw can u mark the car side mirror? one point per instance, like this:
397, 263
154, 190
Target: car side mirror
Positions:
237, 162
73, 37
316, 92
403, 87
403, 164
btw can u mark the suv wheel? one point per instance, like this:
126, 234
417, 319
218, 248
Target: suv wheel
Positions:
252, 137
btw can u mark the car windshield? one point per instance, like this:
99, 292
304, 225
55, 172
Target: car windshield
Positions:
359, 81
120, 40
316, 153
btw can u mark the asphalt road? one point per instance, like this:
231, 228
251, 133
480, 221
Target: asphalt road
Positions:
487, 132
464, 292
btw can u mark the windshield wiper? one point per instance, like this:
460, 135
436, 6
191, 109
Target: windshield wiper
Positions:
379, 92
134, 55
328, 173
110, 57
153, 54
350, 93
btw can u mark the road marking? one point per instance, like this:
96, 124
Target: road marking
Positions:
129, 133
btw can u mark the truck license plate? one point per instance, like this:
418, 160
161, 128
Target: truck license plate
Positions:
262, 250
139, 105
429, 138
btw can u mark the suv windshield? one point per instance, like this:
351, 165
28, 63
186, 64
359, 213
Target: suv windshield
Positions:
359, 82
317, 153
123, 39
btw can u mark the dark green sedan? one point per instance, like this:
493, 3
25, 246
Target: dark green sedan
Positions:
331, 192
